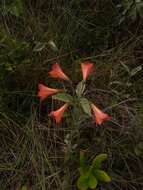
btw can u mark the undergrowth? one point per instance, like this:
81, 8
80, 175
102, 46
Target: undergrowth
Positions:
32, 148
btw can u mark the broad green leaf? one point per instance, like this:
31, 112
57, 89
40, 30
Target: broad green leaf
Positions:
63, 97
92, 182
82, 182
85, 104
96, 163
80, 88
102, 176
135, 70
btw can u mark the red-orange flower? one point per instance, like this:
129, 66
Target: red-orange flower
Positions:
58, 73
45, 91
100, 116
58, 114
86, 68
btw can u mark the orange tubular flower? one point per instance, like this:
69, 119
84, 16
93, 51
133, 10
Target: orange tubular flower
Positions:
100, 116
58, 114
58, 73
86, 69
45, 91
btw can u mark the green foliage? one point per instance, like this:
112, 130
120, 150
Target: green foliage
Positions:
97, 161
63, 97
83, 181
13, 54
92, 183
91, 175
102, 176
85, 104
80, 88
86, 181
31, 151
83, 164
15, 7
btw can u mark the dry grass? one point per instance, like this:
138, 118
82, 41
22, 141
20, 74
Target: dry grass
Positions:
33, 151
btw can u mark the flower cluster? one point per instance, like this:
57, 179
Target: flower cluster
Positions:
57, 73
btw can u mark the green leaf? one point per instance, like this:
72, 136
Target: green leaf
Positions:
135, 70
82, 182
85, 104
92, 182
80, 88
96, 163
102, 176
63, 97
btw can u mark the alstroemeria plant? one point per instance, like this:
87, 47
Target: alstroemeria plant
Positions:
58, 73
87, 106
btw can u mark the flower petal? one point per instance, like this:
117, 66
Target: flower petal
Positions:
58, 114
100, 116
45, 91
86, 68
58, 73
